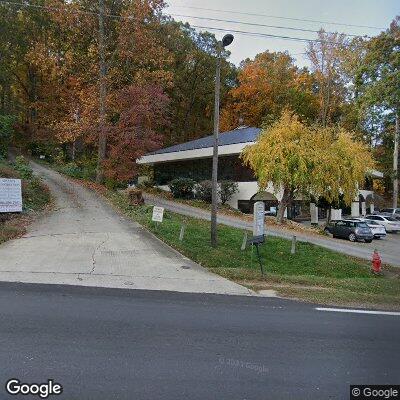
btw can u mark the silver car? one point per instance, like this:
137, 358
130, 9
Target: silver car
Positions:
392, 212
378, 230
391, 224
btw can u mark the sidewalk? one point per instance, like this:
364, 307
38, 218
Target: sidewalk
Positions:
359, 249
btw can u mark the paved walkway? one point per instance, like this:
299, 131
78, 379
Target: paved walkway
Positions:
85, 242
389, 247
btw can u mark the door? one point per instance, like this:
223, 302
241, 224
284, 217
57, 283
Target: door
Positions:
339, 229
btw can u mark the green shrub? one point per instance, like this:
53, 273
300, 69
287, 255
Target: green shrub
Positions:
182, 188
35, 194
114, 184
88, 164
71, 169
23, 168
6, 133
226, 190
204, 191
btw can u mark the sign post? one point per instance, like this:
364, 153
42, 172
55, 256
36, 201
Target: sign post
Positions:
10, 195
158, 214
258, 229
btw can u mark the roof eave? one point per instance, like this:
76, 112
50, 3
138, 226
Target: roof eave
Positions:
230, 149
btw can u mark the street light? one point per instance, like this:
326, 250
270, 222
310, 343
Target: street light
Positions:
226, 41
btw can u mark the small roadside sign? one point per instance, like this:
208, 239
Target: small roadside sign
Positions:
259, 219
158, 214
10, 195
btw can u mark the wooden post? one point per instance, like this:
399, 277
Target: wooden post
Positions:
293, 250
182, 233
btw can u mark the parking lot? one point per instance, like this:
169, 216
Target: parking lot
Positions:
389, 245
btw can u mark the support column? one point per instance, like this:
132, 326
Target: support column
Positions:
314, 214
372, 208
336, 214
355, 209
363, 208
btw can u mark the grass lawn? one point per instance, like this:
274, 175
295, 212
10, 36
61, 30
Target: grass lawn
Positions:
313, 273
35, 197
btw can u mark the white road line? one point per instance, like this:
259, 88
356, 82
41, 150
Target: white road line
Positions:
346, 310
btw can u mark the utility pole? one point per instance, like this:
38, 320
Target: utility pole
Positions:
214, 189
226, 41
102, 96
396, 160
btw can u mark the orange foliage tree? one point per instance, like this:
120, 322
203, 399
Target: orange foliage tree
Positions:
267, 85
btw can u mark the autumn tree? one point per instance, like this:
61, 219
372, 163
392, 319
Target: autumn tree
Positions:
302, 159
193, 83
266, 85
326, 65
140, 112
379, 84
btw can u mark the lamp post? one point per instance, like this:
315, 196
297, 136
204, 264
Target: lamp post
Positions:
226, 41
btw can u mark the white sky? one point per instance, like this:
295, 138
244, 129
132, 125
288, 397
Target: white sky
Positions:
371, 13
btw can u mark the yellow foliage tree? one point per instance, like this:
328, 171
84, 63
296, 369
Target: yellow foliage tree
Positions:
310, 160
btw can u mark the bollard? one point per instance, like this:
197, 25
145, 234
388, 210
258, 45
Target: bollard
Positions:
293, 249
244, 242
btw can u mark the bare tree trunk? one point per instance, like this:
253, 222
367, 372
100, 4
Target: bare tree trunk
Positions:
102, 100
283, 204
396, 160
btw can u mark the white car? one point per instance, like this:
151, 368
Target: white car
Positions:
391, 224
378, 230
392, 212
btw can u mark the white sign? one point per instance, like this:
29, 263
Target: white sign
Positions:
259, 217
10, 195
158, 214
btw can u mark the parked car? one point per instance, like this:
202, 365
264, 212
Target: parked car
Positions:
378, 230
350, 229
392, 212
391, 224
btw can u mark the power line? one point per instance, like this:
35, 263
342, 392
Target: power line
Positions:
261, 34
241, 32
255, 24
279, 17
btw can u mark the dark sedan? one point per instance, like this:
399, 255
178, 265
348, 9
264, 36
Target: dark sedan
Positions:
352, 230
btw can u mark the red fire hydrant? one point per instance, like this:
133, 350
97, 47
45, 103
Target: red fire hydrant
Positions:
376, 262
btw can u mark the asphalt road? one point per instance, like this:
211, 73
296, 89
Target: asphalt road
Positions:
389, 247
130, 344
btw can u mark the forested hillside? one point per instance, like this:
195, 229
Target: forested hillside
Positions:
157, 77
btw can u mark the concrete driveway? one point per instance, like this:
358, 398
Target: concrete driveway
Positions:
83, 241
